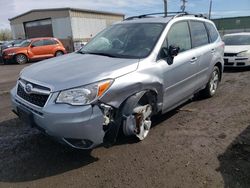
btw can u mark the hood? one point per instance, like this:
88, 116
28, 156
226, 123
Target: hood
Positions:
14, 49
236, 49
74, 70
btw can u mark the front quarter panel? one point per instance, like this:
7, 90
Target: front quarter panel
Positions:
146, 77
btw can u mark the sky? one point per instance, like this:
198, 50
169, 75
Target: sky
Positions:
220, 8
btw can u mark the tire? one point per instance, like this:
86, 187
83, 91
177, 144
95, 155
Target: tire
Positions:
213, 83
137, 115
58, 53
21, 59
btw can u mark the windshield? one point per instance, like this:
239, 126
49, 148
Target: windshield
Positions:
16, 42
130, 40
25, 43
237, 40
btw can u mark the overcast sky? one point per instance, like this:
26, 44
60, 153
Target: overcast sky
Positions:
221, 8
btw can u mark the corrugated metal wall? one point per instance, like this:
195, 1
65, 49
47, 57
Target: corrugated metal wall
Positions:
18, 31
86, 25
67, 25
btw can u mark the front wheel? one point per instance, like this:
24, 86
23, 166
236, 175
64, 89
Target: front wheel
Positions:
21, 59
137, 117
213, 83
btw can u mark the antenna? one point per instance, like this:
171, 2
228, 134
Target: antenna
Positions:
183, 6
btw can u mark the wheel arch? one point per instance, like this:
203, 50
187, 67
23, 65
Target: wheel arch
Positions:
219, 65
21, 53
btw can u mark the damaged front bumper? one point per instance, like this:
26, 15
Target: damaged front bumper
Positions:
80, 127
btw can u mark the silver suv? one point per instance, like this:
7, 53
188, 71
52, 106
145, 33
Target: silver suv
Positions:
130, 71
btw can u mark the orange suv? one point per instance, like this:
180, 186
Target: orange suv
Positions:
34, 49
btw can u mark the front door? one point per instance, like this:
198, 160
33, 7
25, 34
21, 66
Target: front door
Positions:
180, 76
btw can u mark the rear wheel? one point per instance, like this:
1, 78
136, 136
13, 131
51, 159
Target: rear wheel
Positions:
213, 83
59, 53
21, 59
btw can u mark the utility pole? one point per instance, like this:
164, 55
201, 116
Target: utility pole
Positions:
183, 6
210, 9
165, 7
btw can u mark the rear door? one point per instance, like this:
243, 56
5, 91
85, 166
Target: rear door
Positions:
203, 50
180, 76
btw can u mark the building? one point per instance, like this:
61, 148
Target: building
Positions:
72, 26
233, 24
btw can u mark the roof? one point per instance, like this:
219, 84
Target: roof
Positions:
162, 19
67, 9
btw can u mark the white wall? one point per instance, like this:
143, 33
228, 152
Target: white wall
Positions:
86, 27
17, 31
61, 28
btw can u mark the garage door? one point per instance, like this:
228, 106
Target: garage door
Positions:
38, 28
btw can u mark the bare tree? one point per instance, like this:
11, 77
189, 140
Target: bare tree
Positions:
5, 34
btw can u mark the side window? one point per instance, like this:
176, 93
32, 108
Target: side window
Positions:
49, 42
37, 43
179, 36
198, 33
213, 34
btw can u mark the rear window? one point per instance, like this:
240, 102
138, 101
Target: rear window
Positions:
198, 33
49, 42
213, 34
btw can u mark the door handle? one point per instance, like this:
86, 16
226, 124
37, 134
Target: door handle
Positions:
213, 51
194, 59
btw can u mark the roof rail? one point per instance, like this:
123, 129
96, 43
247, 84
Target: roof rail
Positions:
172, 14
151, 14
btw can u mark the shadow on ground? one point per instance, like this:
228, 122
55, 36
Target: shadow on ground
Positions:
235, 162
236, 69
27, 155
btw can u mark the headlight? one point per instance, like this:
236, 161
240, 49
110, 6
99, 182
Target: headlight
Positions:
244, 54
11, 54
85, 94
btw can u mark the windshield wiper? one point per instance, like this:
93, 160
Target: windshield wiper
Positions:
98, 53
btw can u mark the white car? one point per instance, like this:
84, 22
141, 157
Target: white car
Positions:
237, 50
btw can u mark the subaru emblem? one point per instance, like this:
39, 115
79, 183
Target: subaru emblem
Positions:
28, 88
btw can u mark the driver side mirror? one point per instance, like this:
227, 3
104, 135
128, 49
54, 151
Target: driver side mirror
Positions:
173, 51
32, 46
170, 53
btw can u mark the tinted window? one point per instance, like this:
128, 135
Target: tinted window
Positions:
179, 36
49, 42
237, 40
213, 34
37, 43
199, 34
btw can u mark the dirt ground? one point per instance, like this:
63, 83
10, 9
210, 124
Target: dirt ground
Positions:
205, 143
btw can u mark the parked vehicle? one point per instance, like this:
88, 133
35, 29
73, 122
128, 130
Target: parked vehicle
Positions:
10, 44
237, 50
34, 49
127, 73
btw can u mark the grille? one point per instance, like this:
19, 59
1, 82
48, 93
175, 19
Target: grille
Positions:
36, 99
241, 64
230, 54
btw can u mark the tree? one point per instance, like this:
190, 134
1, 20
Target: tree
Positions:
5, 34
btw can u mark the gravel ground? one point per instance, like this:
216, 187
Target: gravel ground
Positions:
204, 143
